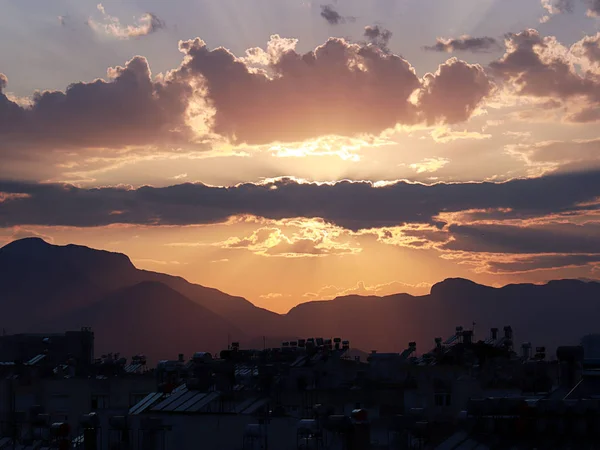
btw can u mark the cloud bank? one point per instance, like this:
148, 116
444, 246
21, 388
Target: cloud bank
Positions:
352, 205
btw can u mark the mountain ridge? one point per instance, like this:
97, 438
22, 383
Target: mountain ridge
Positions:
41, 283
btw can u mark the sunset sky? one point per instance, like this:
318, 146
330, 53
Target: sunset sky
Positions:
290, 150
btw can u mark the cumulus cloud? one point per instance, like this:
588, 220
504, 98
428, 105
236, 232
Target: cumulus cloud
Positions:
465, 44
352, 205
270, 96
589, 49
128, 109
339, 88
452, 94
147, 24
540, 67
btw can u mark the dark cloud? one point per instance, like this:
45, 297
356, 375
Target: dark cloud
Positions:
465, 44
329, 13
452, 94
378, 36
129, 109
561, 238
540, 262
353, 205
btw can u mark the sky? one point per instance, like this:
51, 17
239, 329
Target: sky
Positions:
289, 150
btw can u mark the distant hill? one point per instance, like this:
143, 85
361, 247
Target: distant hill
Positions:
149, 318
131, 310
559, 312
41, 281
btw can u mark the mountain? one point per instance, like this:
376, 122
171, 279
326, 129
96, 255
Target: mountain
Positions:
149, 318
557, 313
50, 287
41, 281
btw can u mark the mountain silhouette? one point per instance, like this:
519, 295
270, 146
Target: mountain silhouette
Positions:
41, 281
150, 318
53, 288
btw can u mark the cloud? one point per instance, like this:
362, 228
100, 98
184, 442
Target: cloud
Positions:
147, 24
339, 88
329, 13
539, 262
378, 36
429, 165
465, 44
589, 49
444, 135
540, 67
452, 94
557, 154
384, 289
268, 97
129, 109
22, 233
302, 96
295, 239
563, 238
8, 196
554, 7
352, 205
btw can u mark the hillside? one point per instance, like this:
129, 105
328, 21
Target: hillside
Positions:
41, 281
149, 318
133, 310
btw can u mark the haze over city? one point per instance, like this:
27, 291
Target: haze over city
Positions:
288, 150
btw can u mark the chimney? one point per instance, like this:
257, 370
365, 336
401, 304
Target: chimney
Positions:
494, 333
180, 358
508, 332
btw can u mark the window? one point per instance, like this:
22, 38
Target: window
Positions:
99, 402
